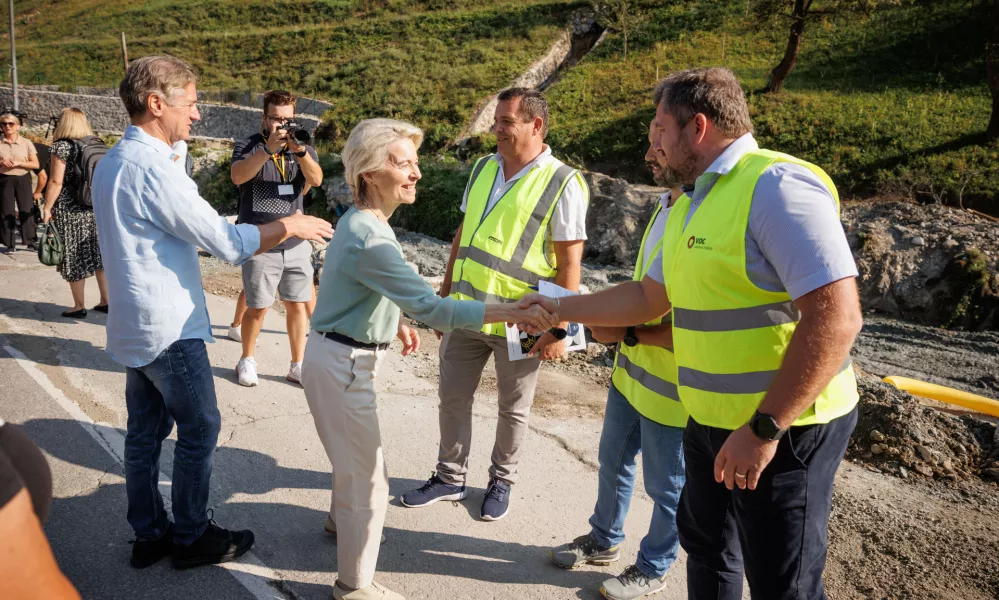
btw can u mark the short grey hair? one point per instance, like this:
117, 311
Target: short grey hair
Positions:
161, 75
714, 92
366, 149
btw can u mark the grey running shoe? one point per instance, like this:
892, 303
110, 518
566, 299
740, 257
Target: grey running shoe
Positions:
630, 585
375, 591
584, 550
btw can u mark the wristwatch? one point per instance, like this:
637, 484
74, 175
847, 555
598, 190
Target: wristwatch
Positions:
765, 427
630, 337
560, 333
301, 154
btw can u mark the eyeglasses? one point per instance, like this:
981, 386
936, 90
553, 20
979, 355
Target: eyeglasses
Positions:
7, 124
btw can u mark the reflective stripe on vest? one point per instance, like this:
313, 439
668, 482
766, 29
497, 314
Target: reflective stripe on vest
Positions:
502, 252
730, 336
646, 375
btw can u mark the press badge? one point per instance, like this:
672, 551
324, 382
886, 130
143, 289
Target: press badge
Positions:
286, 190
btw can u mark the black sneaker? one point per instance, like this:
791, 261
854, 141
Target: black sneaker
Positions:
146, 553
497, 501
216, 545
434, 490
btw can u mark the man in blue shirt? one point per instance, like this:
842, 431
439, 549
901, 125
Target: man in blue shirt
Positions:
151, 222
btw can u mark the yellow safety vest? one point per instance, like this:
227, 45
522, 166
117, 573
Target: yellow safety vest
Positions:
646, 375
730, 336
503, 253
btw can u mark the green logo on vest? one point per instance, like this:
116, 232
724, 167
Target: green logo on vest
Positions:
697, 241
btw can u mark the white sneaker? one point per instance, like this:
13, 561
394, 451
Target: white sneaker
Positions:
236, 334
295, 373
246, 371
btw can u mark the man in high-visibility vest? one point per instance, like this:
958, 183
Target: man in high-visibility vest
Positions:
760, 279
644, 414
525, 221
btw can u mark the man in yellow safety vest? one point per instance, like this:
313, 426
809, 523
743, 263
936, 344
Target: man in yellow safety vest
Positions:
760, 279
644, 414
525, 221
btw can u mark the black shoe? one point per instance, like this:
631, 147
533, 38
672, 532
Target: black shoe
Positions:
101, 308
146, 553
75, 314
216, 545
32, 247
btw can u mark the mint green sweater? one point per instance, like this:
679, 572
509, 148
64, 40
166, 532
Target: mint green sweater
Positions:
366, 281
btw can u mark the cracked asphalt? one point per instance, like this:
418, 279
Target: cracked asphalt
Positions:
272, 475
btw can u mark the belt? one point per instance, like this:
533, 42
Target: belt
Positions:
349, 341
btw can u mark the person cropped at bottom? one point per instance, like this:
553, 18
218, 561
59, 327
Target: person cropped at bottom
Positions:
28, 570
151, 222
364, 284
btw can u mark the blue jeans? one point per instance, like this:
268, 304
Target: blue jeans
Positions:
625, 434
176, 387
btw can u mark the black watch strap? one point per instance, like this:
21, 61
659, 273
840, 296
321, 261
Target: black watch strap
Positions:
765, 427
301, 154
630, 337
560, 333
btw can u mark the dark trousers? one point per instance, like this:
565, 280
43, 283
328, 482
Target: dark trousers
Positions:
176, 387
16, 202
777, 533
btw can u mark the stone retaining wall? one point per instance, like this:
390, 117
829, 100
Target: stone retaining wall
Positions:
107, 114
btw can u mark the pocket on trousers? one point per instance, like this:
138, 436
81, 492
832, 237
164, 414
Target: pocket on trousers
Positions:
362, 371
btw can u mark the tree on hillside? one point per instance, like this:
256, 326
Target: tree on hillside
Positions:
622, 16
992, 66
802, 11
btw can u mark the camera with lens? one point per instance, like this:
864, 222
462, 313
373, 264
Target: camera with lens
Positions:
297, 133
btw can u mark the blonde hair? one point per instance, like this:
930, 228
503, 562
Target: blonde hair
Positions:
366, 149
73, 125
162, 75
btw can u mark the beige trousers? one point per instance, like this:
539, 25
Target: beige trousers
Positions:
339, 384
463, 355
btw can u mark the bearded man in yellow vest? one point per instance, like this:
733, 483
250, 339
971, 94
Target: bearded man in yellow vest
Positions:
525, 221
643, 414
760, 279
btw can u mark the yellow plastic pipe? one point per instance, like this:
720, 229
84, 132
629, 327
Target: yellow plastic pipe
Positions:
945, 394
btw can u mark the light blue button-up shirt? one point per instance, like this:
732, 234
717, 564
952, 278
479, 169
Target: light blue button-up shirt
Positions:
150, 223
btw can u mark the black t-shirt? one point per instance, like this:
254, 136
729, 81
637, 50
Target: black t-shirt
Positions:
261, 200
44, 160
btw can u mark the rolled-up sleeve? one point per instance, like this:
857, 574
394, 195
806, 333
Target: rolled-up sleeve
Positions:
171, 201
382, 268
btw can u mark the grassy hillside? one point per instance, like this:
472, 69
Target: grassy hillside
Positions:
892, 101
427, 61
887, 102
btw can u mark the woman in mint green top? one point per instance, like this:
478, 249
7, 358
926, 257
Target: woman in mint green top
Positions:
364, 284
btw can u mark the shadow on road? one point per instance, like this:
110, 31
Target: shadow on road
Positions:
289, 537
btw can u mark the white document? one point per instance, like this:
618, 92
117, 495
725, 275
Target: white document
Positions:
519, 343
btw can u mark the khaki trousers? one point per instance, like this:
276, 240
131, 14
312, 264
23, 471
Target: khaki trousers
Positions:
463, 355
339, 384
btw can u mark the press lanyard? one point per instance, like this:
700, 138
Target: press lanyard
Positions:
279, 165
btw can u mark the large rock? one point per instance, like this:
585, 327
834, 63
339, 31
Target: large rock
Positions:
928, 263
337, 192
616, 219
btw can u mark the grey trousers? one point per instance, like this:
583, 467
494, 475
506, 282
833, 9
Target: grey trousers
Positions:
463, 355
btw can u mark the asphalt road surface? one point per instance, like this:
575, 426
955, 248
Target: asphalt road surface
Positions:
272, 475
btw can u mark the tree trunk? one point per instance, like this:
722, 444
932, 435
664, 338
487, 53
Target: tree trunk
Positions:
799, 16
992, 66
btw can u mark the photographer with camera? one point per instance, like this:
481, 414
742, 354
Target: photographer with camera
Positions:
271, 170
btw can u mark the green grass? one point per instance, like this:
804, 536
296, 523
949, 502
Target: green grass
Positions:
891, 102
428, 62
888, 102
